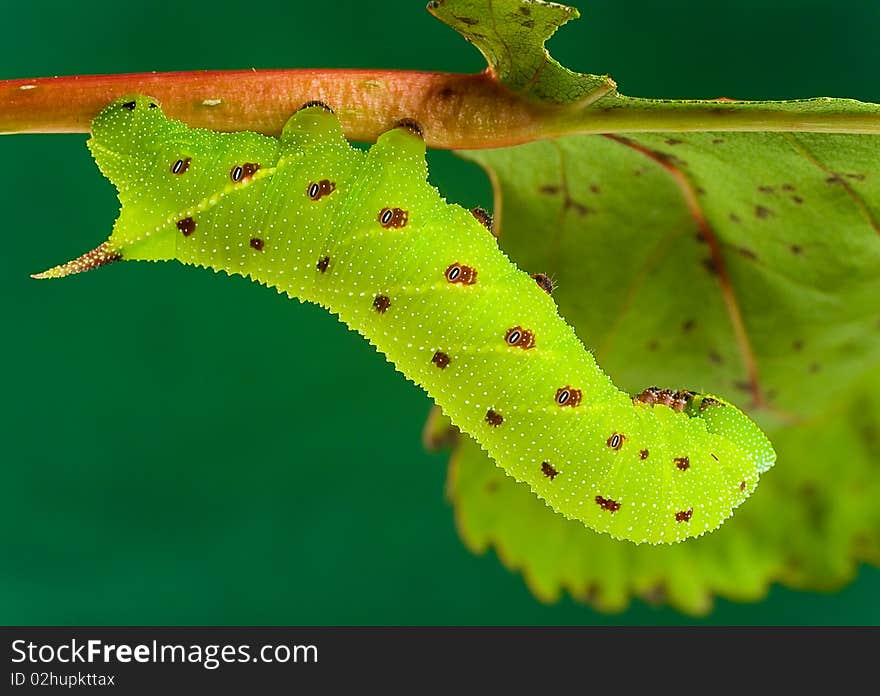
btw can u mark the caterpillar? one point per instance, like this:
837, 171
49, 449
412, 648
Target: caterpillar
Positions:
364, 234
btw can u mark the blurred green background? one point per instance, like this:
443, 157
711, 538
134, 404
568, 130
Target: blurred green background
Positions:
185, 448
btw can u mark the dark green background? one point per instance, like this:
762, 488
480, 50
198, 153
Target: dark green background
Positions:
185, 448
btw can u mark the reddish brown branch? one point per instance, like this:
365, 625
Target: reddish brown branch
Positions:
461, 111
455, 111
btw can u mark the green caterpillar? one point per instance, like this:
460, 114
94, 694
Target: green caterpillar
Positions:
364, 235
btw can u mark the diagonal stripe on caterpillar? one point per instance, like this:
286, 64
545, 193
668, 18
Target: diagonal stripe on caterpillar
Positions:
364, 235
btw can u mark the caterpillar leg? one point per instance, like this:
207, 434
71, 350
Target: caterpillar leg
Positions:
313, 124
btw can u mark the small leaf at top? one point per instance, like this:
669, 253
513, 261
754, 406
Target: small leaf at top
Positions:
511, 35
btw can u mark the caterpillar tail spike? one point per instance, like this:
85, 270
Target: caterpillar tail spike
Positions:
365, 235
101, 255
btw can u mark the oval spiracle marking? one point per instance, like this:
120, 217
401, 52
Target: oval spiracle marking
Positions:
519, 337
567, 396
181, 165
393, 217
461, 274
318, 189
240, 172
616, 441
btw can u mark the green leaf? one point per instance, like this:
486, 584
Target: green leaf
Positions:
511, 35
741, 263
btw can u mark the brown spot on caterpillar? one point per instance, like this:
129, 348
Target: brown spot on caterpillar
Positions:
594, 188
681, 399
676, 400
187, 225
548, 470
607, 504
411, 125
323, 263
709, 402
649, 396
256, 243
316, 102
616, 441
381, 303
180, 166
766, 189
544, 282
440, 359
682, 463
762, 212
128, 105
797, 199
494, 418
796, 249
520, 337
566, 396
484, 217
742, 485
318, 189
243, 171
643, 454
461, 274
392, 217
684, 515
